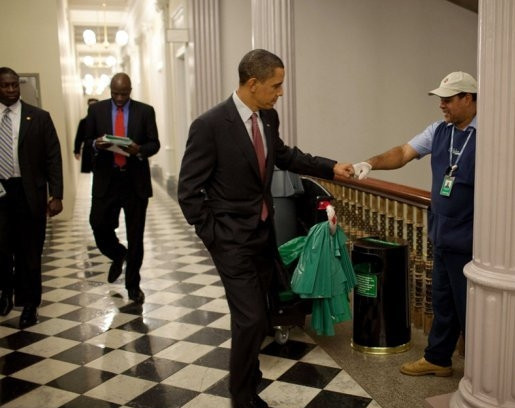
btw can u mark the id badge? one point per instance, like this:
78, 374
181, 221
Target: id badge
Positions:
448, 182
2, 190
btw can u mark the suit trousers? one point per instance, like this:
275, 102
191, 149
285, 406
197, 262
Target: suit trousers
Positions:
104, 220
246, 271
22, 235
449, 294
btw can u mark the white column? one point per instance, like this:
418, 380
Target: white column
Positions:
272, 29
205, 29
167, 135
489, 379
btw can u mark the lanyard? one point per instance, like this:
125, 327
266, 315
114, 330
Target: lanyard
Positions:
451, 147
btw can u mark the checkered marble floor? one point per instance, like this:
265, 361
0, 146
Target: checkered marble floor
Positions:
94, 348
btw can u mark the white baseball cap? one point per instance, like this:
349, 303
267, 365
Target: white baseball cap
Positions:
455, 83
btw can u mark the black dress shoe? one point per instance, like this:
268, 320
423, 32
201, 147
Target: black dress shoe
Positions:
259, 402
29, 316
6, 303
136, 295
116, 269
254, 402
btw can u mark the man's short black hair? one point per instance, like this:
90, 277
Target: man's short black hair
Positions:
259, 64
7, 70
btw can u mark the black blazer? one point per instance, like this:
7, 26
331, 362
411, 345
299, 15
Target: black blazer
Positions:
219, 180
141, 128
39, 156
86, 155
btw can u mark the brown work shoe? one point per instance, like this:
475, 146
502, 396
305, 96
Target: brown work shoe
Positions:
424, 367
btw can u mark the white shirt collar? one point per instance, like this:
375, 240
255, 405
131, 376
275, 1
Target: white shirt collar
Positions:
244, 111
15, 107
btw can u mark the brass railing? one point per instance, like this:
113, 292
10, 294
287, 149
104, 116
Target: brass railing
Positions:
378, 208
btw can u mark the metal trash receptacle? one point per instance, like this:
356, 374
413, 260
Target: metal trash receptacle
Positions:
381, 318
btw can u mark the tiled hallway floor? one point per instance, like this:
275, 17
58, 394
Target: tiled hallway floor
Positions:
93, 348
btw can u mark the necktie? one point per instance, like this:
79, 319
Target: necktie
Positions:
6, 146
119, 130
260, 153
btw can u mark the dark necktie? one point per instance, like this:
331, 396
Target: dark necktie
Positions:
6, 146
119, 130
257, 139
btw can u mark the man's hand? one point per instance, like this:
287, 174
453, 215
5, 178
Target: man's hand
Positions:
101, 144
361, 170
343, 170
77, 156
133, 149
54, 207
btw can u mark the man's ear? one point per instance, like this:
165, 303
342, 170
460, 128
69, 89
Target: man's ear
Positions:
251, 83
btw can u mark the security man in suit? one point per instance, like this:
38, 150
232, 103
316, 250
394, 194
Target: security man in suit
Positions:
121, 181
224, 191
30, 172
81, 151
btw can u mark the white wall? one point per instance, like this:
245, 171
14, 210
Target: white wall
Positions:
30, 45
363, 69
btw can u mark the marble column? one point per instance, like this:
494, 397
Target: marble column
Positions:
273, 30
167, 136
489, 378
205, 41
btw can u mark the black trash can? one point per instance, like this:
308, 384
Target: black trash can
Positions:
381, 320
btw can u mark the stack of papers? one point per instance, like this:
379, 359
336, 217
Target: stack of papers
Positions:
117, 140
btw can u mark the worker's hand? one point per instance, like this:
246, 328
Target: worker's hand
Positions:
361, 170
77, 156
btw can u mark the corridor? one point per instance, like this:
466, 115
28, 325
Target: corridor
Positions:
93, 348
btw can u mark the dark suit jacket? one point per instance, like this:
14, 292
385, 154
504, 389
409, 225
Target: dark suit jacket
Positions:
86, 155
39, 155
141, 129
219, 183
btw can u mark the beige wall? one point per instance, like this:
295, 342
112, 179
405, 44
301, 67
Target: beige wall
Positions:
363, 69
236, 40
30, 45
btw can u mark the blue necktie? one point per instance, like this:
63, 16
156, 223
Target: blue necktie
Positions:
6, 146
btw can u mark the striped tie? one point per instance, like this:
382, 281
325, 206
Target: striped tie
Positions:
6, 146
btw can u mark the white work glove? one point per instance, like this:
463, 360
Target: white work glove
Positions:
361, 170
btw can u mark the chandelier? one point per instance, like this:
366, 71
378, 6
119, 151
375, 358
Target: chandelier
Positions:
97, 70
90, 38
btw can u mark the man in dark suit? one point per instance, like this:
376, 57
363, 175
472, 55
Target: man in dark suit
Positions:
30, 172
82, 151
121, 181
224, 191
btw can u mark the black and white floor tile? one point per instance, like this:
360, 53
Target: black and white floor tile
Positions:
93, 348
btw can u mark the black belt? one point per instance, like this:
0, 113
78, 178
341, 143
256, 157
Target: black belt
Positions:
120, 169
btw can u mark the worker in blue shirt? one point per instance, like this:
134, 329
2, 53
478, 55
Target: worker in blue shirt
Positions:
452, 145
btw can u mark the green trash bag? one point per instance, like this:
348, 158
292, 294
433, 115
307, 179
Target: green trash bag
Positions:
324, 273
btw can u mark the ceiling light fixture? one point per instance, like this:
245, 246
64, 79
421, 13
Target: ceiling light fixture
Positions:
90, 38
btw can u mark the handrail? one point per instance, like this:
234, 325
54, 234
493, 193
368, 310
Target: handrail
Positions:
400, 192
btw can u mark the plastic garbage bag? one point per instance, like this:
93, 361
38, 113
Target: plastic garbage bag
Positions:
324, 273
